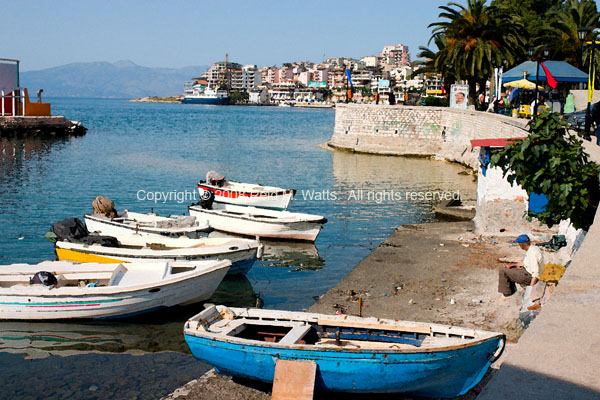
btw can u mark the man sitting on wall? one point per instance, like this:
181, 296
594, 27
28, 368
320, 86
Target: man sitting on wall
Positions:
525, 273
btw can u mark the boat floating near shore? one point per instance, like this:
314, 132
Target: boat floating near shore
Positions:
352, 354
253, 221
135, 248
93, 291
146, 225
201, 94
248, 194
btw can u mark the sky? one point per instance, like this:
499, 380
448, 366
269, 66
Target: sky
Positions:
179, 33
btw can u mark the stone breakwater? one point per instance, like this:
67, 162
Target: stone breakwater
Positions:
437, 132
55, 126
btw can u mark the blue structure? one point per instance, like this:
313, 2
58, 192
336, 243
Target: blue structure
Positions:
217, 101
561, 71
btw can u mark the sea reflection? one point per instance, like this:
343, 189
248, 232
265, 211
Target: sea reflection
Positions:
398, 179
301, 256
18, 154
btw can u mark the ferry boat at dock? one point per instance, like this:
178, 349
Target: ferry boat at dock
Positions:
201, 94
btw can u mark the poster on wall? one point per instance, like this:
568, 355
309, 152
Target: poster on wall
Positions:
459, 95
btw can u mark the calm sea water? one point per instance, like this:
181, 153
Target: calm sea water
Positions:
132, 149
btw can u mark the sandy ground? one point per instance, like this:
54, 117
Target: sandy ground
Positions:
439, 272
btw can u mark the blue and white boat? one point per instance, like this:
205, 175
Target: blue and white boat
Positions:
352, 354
203, 94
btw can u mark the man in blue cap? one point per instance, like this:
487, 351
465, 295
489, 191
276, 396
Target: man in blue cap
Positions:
524, 273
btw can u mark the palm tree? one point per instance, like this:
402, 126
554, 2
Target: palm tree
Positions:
561, 32
476, 37
435, 62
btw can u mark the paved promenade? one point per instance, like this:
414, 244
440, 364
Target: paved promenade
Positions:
558, 356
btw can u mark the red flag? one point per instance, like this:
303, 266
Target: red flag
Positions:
551, 81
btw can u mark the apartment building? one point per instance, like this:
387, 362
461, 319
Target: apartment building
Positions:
396, 55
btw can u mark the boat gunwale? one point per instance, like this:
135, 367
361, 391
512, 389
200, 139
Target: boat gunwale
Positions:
146, 252
318, 219
148, 229
106, 290
267, 191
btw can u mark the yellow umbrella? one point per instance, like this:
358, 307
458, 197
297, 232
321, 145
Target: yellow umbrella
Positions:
523, 84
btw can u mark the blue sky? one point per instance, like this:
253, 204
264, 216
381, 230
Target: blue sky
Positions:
179, 33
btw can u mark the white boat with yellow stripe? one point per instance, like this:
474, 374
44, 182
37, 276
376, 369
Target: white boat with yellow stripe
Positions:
135, 248
95, 291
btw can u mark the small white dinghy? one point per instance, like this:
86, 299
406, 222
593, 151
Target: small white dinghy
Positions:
134, 248
253, 221
248, 194
146, 224
93, 290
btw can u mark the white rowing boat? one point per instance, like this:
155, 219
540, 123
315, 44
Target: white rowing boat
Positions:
146, 224
253, 221
241, 252
248, 194
93, 290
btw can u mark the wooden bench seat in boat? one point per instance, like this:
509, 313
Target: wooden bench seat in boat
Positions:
233, 327
385, 327
296, 334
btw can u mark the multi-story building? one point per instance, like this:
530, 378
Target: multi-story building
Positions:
216, 75
282, 92
396, 55
369, 61
433, 85
284, 74
336, 77
304, 77
251, 77
321, 73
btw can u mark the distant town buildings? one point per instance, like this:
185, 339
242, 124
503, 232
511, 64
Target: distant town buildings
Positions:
391, 70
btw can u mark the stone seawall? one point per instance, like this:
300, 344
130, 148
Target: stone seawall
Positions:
438, 132
41, 127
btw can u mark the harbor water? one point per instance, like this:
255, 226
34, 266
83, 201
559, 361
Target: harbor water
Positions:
148, 157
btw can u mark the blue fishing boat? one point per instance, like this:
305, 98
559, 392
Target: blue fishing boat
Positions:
352, 354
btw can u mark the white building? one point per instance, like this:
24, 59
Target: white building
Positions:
251, 77
257, 96
370, 61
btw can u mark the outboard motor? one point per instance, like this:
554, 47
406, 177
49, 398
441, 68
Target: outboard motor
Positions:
43, 278
207, 199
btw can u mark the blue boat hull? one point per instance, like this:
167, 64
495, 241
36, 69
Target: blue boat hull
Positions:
448, 373
220, 101
241, 267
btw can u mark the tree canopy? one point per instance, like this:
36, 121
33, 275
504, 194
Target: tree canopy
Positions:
473, 37
552, 161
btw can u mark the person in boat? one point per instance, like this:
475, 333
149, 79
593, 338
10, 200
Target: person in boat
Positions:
215, 179
524, 273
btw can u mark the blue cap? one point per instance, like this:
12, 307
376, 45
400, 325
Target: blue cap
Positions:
522, 239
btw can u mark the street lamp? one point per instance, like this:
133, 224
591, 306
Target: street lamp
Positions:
582, 33
537, 76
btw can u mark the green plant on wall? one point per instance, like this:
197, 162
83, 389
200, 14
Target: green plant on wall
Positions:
552, 161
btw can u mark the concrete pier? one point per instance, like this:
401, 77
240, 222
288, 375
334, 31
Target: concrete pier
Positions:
50, 126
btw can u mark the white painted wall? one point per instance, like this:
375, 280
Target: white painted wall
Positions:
493, 186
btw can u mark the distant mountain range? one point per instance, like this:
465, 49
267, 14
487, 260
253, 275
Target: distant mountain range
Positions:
122, 79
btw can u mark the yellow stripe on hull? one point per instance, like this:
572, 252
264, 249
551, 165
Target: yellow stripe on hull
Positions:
77, 256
